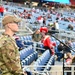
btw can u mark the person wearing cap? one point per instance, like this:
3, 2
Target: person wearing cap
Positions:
9, 55
48, 44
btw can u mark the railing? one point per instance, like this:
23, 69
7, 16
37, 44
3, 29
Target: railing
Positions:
55, 70
63, 34
70, 69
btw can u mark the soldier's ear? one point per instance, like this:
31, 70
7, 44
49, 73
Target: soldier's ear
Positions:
9, 26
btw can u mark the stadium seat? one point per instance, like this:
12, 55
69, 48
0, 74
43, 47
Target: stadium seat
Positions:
42, 60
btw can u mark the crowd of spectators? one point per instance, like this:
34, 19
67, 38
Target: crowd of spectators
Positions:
46, 18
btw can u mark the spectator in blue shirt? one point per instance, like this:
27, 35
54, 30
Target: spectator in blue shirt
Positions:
19, 43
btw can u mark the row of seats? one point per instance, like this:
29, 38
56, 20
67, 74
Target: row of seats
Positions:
27, 40
42, 61
23, 38
32, 57
26, 52
50, 62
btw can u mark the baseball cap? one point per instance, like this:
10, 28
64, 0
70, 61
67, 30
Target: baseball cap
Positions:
10, 18
45, 29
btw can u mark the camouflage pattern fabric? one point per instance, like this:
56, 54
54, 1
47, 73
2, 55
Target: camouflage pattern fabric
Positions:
9, 57
36, 36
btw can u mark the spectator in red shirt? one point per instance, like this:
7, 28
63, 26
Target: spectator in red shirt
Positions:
48, 44
1, 10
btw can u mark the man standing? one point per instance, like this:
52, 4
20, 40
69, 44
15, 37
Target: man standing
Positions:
9, 55
1, 10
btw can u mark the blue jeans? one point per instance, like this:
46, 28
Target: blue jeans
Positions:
59, 55
1, 13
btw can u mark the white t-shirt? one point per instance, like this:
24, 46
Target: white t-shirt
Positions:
57, 26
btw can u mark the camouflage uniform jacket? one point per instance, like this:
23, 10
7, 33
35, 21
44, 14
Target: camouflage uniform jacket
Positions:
9, 57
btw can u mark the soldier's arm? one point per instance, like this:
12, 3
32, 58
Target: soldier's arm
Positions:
11, 58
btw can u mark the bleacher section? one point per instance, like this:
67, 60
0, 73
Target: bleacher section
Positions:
43, 60
30, 56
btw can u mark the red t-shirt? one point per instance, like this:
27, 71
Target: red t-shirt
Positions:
48, 43
1, 9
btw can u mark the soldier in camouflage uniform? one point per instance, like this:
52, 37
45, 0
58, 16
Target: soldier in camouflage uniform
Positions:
9, 55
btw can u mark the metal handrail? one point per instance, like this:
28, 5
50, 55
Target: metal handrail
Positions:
56, 71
